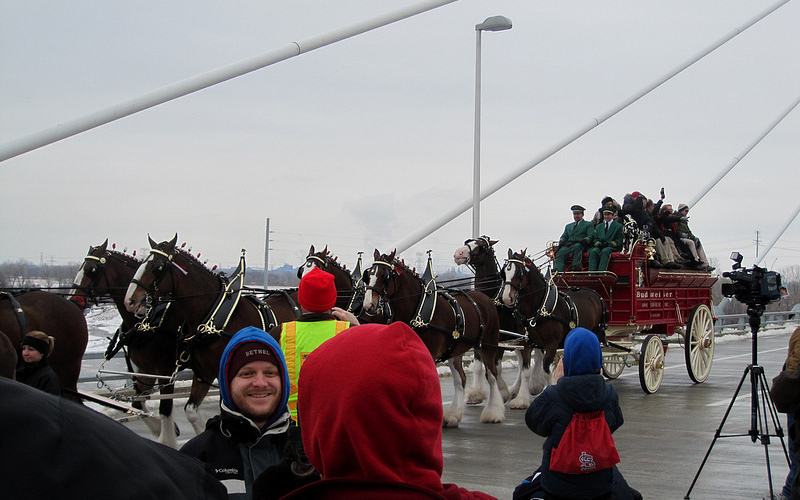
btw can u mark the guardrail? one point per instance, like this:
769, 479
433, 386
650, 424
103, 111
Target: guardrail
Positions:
738, 323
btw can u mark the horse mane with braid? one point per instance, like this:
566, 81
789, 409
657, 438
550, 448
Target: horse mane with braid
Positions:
124, 256
401, 264
195, 260
335, 261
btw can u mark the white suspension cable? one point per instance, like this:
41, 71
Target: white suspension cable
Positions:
420, 234
741, 155
189, 85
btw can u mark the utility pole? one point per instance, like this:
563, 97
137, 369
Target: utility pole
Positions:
757, 244
266, 257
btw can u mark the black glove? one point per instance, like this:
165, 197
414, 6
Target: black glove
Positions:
603, 244
662, 193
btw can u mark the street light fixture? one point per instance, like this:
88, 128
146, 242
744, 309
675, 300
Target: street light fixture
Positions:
494, 23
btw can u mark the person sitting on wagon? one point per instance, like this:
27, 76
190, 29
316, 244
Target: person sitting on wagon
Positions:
607, 238
667, 224
666, 254
692, 242
576, 237
633, 204
607, 202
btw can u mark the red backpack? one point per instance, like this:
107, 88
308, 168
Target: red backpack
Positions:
586, 446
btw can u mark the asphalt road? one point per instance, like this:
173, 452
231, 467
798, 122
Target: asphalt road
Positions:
663, 440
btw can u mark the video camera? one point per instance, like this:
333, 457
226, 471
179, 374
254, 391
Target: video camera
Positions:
755, 286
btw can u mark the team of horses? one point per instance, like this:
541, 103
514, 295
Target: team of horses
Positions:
179, 314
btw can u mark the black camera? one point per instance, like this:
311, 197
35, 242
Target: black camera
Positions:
755, 286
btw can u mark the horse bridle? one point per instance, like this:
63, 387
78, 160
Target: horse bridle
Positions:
312, 258
549, 302
477, 242
158, 272
390, 274
522, 265
96, 272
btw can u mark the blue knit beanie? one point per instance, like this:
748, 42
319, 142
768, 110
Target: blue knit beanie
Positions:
582, 353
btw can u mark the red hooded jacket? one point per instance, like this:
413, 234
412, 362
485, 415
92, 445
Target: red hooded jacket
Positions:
370, 411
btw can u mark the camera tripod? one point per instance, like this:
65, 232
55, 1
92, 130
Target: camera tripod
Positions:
762, 408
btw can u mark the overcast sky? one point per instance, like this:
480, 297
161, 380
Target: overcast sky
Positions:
358, 144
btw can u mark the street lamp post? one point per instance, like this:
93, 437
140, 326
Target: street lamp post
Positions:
494, 23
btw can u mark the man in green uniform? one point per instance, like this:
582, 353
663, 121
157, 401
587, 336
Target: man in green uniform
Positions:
575, 239
607, 238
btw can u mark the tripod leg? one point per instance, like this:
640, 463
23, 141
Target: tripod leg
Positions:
718, 432
774, 415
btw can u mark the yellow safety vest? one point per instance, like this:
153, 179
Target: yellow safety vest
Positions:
298, 340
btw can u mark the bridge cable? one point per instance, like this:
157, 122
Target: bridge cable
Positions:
447, 217
741, 155
28, 143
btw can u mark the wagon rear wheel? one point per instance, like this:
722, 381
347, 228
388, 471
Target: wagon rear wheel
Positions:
613, 365
699, 343
651, 364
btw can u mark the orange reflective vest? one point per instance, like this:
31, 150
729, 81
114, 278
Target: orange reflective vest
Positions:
298, 340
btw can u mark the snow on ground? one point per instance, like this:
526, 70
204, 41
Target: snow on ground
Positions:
102, 321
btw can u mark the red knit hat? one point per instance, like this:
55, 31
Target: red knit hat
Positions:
317, 293
248, 352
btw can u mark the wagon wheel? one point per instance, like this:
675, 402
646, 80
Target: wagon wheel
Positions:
651, 364
613, 365
699, 343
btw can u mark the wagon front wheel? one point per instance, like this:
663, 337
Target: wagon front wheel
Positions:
651, 364
699, 343
613, 366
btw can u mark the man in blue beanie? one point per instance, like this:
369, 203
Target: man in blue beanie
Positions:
254, 433
582, 389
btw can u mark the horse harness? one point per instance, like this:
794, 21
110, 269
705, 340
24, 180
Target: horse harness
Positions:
545, 311
497, 300
359, 288
426, 309
16, 307
150, 324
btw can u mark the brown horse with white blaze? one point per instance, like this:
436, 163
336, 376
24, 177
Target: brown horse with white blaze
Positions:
449, 322
547, 314
151, 342
170, 273
478, 253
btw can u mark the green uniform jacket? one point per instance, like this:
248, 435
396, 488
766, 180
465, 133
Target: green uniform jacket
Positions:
580, 233
613, 236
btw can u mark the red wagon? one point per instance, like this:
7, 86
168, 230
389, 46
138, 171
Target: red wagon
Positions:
646, 306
